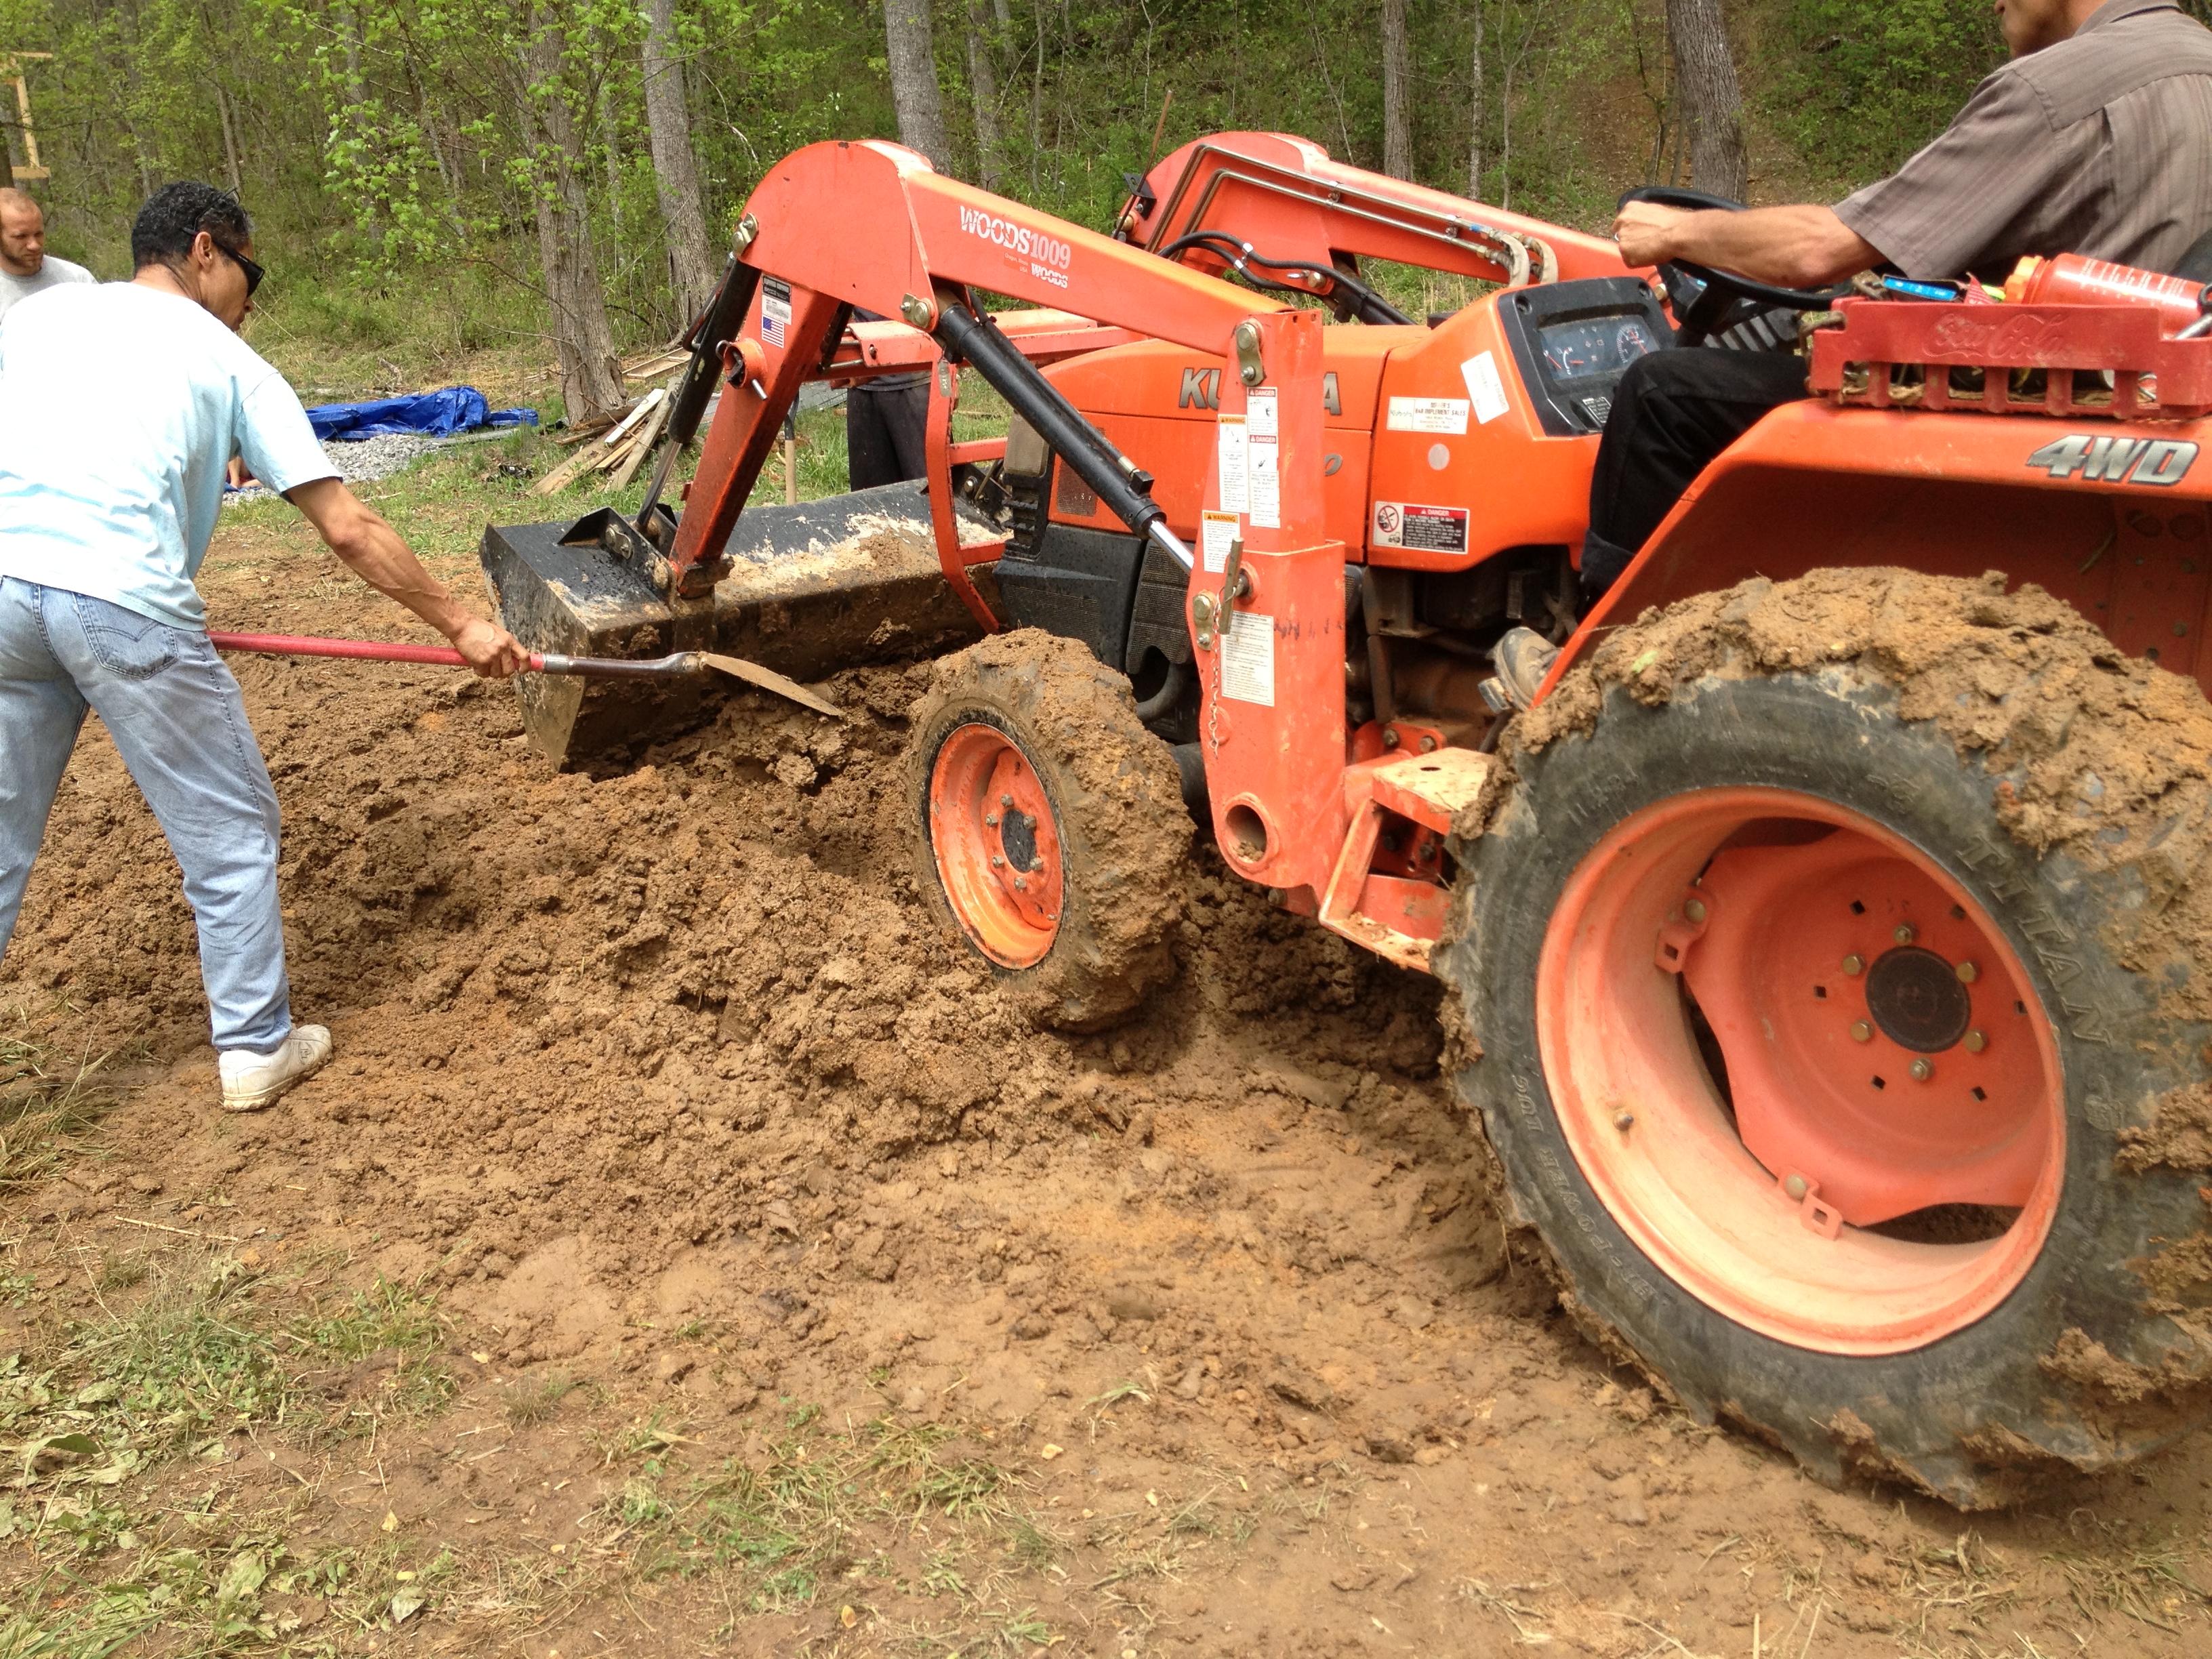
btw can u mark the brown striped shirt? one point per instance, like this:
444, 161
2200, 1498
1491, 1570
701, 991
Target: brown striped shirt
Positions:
2100, 145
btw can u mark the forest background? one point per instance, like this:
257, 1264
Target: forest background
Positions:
558, 177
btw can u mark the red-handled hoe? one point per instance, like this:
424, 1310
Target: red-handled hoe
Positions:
679, 663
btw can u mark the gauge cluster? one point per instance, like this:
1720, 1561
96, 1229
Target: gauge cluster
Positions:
1593, 345
1572, 342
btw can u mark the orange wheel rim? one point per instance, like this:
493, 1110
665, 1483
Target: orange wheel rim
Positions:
997, 844
1883, 1164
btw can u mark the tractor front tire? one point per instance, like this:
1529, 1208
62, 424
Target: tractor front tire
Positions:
1831, 956
1054, 835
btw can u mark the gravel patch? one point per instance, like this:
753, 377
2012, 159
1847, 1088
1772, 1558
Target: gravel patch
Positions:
363, 460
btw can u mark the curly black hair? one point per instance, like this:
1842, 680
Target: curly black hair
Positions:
175, 214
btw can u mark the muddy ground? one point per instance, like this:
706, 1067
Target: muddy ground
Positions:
1196, 1336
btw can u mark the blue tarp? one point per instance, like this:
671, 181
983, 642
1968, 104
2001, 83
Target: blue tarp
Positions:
421, 414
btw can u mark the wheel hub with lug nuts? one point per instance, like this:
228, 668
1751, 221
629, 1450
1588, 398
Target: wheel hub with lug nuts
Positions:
997, 849
1918, 999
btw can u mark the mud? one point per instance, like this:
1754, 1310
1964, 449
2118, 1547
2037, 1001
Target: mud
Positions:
671, 1081
2177, 1136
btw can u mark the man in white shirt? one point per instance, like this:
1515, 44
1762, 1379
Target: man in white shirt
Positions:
120, 406
26, 267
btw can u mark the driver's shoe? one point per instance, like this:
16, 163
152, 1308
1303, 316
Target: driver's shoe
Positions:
1522, 659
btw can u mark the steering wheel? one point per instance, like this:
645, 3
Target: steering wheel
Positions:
1706, 302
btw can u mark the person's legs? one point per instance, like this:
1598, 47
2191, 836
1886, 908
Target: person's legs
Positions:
906, 414
1672, 412
178, 719
40, 714
871, 456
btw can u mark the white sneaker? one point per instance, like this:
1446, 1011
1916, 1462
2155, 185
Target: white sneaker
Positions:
251, 1081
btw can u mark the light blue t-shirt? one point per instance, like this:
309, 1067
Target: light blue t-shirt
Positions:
120, 407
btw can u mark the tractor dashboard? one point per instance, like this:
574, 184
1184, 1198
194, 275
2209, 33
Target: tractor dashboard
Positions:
1573, 340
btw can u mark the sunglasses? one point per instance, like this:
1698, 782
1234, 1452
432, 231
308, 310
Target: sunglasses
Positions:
253, 272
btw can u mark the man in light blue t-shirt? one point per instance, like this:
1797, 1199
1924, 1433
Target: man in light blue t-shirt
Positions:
120, 407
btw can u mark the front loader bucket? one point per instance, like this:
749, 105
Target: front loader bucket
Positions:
813, 588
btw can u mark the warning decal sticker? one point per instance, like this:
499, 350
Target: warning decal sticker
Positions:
1215, 532
1247, 659
1486, 386
1236, 479
1420, 529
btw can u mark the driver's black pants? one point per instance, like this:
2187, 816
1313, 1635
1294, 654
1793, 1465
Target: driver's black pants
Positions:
1672, 412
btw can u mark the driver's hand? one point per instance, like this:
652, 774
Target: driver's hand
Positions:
1646, 231
491, 649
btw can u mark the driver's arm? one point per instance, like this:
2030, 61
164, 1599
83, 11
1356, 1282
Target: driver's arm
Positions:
1790, 247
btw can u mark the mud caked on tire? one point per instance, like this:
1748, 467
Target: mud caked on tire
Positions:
1830, 950
1054, 835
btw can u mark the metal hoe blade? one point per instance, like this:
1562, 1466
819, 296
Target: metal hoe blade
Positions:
768, 680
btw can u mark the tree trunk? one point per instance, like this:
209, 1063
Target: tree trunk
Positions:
610, 140
690, 256
1712, 107
1036, 101
230, 140
1397, 112
1474, 120
983, 81
914, 81
591, 373
357, 103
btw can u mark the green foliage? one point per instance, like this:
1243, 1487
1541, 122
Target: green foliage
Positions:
1866, 83
386, 137
396, 153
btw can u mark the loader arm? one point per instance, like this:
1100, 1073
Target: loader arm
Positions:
871, 225
1281, 194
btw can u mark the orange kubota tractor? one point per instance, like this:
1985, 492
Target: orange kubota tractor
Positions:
1821, 946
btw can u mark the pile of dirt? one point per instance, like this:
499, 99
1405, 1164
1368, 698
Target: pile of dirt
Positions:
696, 1002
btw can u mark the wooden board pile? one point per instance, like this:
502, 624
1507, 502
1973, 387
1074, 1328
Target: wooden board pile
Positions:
616, 444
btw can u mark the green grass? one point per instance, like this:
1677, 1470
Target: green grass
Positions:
534, 1402
91, 1421
335, 340
387, 1315
387, 1318
50, 1101
825, 1506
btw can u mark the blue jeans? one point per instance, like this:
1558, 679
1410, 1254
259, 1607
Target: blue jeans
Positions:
175, 714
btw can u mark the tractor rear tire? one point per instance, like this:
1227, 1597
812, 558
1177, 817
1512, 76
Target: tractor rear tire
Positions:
1054, 835
1830, 953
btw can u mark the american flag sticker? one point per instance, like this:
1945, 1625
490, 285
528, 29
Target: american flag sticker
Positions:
775, 312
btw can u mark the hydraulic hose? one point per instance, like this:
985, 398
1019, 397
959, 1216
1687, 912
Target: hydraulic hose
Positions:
724, 315
1368, 306
1117, 481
